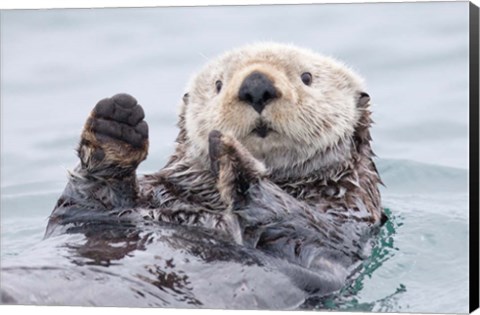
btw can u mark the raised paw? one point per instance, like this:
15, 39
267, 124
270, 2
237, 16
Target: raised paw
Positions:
233, 165
120, 118
115, 135
215, 150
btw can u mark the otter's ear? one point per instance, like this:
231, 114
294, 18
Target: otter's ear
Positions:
363, 99
185, 98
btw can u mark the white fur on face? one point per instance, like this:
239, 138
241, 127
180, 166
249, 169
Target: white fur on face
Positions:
306, 120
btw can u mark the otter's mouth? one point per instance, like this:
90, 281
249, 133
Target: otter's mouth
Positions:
262, 130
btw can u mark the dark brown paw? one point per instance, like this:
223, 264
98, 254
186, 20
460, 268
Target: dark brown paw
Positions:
233, 166
115, 134
120, 118
215, 150
226, 153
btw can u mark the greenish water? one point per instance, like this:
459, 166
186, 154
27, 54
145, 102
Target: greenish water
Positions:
56, 64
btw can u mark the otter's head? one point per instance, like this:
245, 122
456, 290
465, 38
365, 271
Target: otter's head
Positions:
291, 108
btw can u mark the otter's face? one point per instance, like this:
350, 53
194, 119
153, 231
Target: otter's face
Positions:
284, 104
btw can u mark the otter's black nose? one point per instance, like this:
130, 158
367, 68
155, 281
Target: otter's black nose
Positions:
257, 90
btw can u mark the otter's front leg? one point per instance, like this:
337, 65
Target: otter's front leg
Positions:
115, 138
234, 167
113, 143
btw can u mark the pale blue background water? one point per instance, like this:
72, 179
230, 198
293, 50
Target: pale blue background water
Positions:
56, 64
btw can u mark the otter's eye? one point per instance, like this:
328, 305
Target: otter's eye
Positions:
218, 86
306, 78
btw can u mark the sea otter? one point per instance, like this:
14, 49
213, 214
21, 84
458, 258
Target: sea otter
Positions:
273, 153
